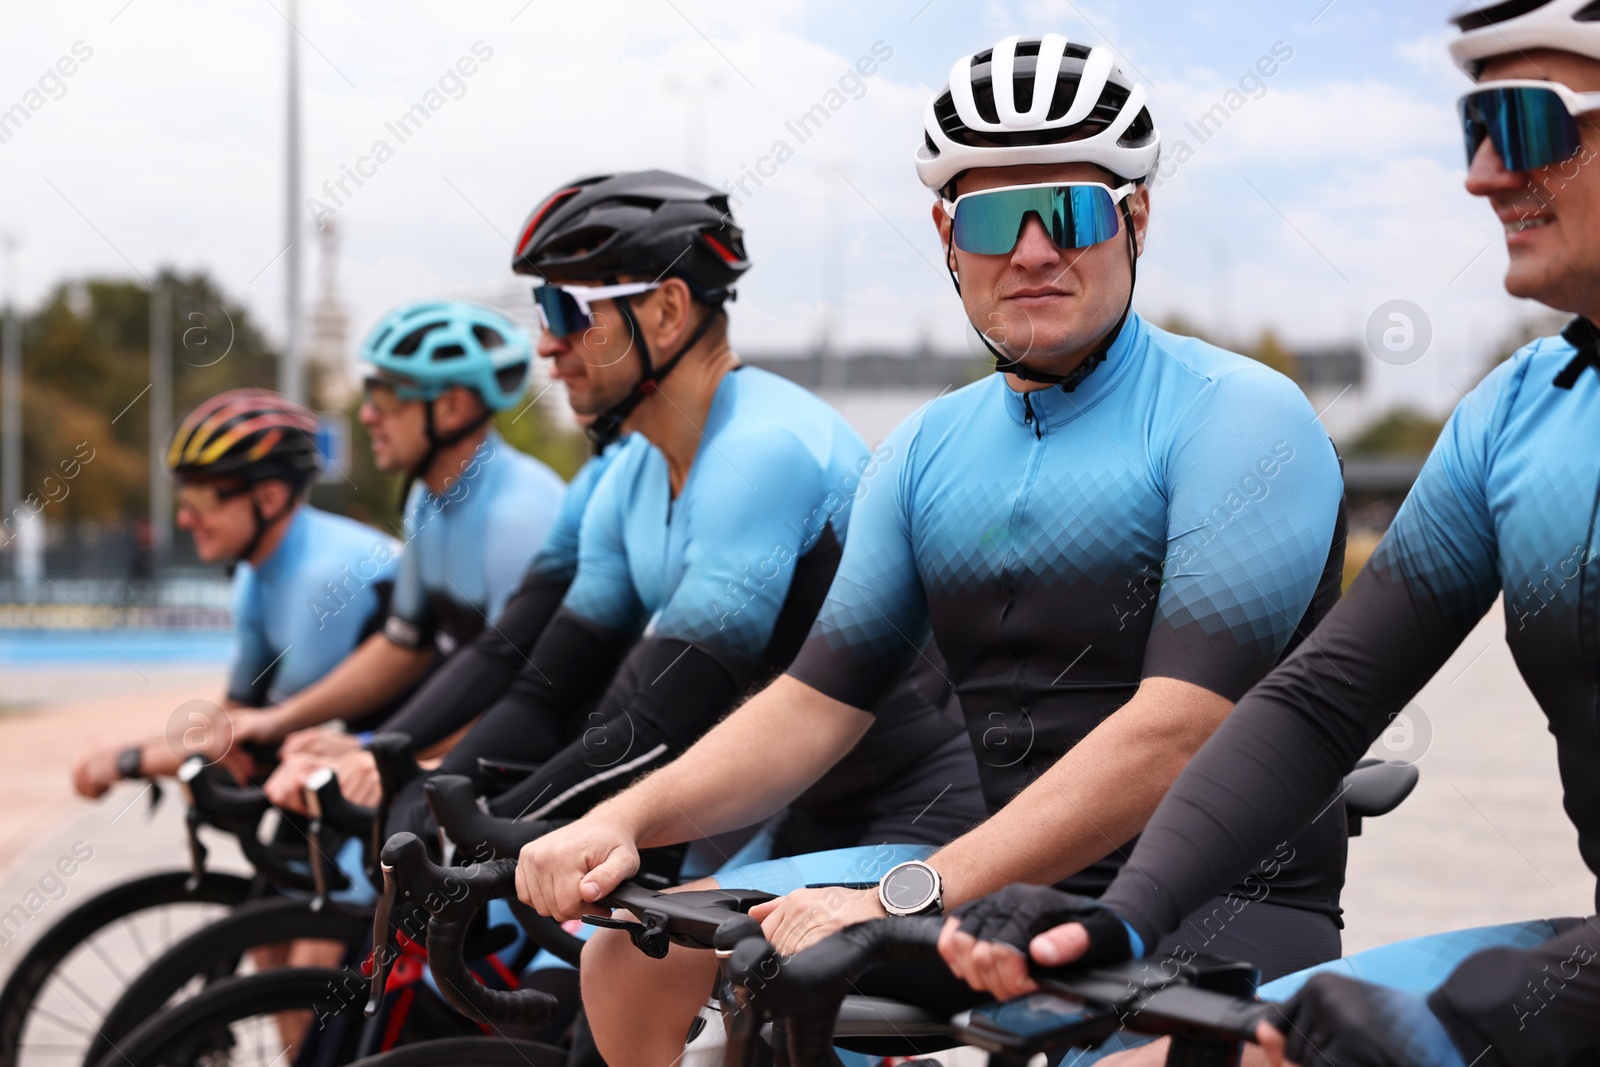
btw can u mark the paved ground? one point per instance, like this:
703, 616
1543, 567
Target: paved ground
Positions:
1482, 840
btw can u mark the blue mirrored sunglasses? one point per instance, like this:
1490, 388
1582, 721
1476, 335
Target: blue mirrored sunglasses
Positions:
1074, 214
567, 309
1532, 124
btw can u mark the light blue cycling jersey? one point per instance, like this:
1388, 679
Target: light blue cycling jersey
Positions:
308, 604
776, 468
1175, 516
557, 561
468, 547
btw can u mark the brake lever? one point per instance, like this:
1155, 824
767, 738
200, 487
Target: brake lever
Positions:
383, 946
197, 851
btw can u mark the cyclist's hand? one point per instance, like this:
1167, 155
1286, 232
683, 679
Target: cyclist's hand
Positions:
320, 741
987, 942
96, 771
805, 916
358, 777
564, 872
250, 725
286, 786
1334, 1019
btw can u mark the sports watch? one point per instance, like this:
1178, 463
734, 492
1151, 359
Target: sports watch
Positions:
130, 761
911, 888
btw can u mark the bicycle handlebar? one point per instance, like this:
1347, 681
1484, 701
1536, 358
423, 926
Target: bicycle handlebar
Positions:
215, 800
453, 799
396, 766
808, 988
452, 897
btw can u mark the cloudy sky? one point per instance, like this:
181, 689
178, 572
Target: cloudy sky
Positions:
1333, 187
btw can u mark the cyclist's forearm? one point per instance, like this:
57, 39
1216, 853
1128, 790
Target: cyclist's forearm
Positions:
1507, 1007
746, 768
1093, 800
375, 673
479, 674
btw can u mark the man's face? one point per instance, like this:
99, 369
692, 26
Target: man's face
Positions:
600, 365
397, 429
218, 516
1551, 215
1041, 301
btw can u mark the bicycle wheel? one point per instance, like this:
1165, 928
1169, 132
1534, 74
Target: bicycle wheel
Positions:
60, 990
215, 951
470, 1052
234, 1023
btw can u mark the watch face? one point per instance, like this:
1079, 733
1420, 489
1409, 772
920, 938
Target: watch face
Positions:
910, 887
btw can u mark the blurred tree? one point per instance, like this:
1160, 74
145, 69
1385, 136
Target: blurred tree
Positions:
1176, 322
1400, 432
86, 360
1271, 351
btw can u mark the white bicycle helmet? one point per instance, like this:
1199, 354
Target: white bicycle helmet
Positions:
1507, 26
1037, 100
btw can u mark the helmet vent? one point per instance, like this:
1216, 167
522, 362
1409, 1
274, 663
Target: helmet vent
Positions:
412, 341
510, 379
486, 337
1587, 13
1497, 13
444, 352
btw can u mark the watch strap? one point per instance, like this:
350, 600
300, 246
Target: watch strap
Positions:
130, 762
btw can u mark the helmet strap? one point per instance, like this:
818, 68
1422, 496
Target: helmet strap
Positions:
607, 426
261, 525
1073, 378
437, 443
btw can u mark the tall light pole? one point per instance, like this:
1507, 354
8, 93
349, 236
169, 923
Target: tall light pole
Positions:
291, 371
10, 386
160, 417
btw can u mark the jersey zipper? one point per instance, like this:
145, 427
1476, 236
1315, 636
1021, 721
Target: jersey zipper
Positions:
1029, 418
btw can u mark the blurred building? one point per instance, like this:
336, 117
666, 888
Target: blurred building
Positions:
328, 353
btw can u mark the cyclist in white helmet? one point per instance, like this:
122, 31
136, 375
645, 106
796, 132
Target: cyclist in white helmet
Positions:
1504, 510
1111, 541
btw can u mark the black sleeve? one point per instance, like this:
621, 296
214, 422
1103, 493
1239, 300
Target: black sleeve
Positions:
569, 666
681, 691
477, 674
1509, 1007
1272, 766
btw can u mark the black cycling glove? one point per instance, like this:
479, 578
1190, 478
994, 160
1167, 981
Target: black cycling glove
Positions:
1336, 1021
1018, 913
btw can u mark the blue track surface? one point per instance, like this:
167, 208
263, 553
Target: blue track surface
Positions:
23, 648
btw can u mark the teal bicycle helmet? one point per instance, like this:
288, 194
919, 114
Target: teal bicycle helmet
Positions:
422, 348
427, 346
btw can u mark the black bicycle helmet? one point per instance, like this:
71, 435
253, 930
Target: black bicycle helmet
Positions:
652, 223
649, 222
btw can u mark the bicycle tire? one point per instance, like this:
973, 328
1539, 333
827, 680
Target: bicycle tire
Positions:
172, 1037
213, 951
470, 1052
20, 995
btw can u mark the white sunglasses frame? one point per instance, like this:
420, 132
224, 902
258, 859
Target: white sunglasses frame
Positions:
1577, 103
586, 296
1118, 195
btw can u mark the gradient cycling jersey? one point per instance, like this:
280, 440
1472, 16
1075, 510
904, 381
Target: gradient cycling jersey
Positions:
472, 679
1178, 515
1505, 507
308, 605
712, 589
467, 548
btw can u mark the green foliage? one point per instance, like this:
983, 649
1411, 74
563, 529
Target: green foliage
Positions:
1401, 432
86, 368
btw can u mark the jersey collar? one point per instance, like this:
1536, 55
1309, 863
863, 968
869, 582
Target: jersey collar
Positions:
288, 545
1052, 407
